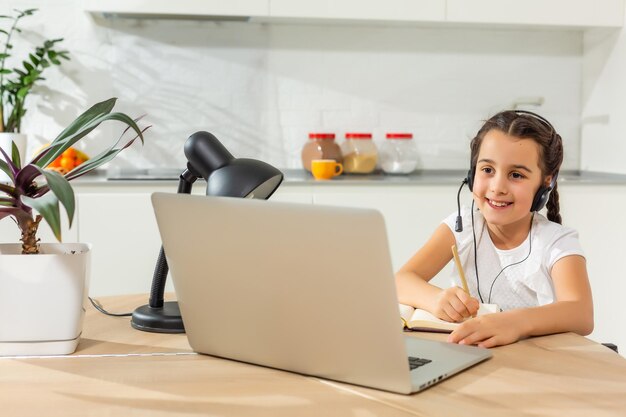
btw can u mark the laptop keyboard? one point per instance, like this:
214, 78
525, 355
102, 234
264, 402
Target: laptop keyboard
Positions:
417, 362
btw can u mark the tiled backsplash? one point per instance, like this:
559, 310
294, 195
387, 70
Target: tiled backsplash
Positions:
261, 88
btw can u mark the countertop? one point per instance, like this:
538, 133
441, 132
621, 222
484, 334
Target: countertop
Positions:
301, 177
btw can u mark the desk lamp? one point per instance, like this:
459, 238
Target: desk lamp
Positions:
225, 176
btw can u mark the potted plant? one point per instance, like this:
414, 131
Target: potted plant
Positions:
17, 83
43, 286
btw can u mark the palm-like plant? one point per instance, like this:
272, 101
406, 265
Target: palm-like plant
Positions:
32, 186
17, 83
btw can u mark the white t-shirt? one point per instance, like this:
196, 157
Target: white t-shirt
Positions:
527, 284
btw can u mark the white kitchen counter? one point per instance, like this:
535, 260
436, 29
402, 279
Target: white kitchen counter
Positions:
161, 177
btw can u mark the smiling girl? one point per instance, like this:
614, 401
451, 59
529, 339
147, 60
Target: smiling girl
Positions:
531, 266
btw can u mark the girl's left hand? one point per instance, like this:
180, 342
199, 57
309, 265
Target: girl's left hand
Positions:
489, 330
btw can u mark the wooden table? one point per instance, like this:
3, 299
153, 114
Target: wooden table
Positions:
124, 372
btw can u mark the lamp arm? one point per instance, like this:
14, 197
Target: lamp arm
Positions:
185, 183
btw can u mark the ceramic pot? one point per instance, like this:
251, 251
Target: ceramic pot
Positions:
42, 298
5, 144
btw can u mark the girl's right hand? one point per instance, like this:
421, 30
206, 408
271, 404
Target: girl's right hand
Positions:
455, 305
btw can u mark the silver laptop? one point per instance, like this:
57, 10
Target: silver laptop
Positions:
299, 287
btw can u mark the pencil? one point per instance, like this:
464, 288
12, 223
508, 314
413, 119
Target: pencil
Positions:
457, 261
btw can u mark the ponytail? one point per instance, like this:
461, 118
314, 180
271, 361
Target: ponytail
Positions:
554, 207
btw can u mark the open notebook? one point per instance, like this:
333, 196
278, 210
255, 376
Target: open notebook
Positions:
422, 320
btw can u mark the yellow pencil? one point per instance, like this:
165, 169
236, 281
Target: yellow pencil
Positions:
457, 261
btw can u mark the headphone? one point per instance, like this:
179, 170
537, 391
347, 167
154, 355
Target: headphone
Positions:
541, 196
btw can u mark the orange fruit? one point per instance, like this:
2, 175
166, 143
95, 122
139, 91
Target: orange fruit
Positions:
67, 163
56, 163
70, 153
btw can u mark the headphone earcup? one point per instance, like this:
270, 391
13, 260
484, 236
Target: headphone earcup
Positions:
541, 198
470, 178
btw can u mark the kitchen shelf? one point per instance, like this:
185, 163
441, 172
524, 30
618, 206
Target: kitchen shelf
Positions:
552, 14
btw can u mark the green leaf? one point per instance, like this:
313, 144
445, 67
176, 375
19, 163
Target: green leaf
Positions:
101, 158
22, 92
5, 71
3, 55
45, 63
27, 66
7, 189
95, 111
34, 59
8, 161
15, 155
4, 167
62, 190
48, 207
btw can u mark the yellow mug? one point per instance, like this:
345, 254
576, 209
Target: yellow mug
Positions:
325, 169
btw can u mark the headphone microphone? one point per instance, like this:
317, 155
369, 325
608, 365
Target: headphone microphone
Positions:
458, 226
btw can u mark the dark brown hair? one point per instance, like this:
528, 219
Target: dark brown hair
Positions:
529, 126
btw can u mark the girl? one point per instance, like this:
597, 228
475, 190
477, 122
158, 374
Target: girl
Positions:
531, 266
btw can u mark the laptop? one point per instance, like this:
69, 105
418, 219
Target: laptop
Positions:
299, 287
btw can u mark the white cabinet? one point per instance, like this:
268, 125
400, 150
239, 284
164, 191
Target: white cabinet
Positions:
293, 194
122, 230
389, 10
596, 212
182, 8
411, 212
575, 13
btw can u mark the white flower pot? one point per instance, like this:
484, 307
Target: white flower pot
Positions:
5, 144
42, 298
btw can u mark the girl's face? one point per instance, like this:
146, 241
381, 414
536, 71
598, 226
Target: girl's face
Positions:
507, 177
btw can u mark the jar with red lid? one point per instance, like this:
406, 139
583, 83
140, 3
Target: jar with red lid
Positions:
398, 154
320, 146
359, 153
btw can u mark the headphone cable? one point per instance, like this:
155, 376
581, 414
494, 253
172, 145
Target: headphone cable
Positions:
530, 248
475, 256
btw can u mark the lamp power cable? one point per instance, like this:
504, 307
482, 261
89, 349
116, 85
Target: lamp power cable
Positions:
96, 304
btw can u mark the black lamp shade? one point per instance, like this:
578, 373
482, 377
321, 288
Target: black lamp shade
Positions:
246, 178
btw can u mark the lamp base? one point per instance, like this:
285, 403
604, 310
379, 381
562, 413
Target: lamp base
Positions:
164, 319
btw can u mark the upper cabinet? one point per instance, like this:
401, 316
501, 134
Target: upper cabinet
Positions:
389, 10
179, 8
554, 13
516, 13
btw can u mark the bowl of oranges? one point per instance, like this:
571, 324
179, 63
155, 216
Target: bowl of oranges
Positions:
67, 161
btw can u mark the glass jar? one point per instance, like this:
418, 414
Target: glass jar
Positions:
398, 154
320, 146
359, 153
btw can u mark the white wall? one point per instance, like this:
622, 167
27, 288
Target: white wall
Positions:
604, 102
262, 87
